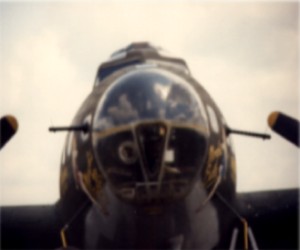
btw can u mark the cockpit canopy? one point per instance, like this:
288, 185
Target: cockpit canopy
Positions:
149, 94
136, 54
150, 135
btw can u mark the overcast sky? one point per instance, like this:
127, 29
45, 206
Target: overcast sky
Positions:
244, 54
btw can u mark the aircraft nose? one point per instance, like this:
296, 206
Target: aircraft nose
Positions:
150, 135
151, 160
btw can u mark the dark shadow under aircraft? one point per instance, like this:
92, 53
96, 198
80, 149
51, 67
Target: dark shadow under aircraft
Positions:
148, 164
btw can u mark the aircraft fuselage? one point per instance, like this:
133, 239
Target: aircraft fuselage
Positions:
152, 158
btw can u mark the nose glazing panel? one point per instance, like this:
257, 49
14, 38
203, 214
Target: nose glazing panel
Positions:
151, 140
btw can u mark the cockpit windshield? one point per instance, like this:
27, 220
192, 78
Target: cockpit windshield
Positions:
149, 94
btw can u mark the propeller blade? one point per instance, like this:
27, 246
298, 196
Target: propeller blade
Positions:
9, 127
285, 126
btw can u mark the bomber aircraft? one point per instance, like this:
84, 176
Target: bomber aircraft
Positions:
148, 164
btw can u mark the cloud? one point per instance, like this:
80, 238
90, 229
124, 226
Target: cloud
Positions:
245, 54
253, 35
38, 79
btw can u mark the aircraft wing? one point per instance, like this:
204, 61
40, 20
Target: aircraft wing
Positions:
273, 218
30, 227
